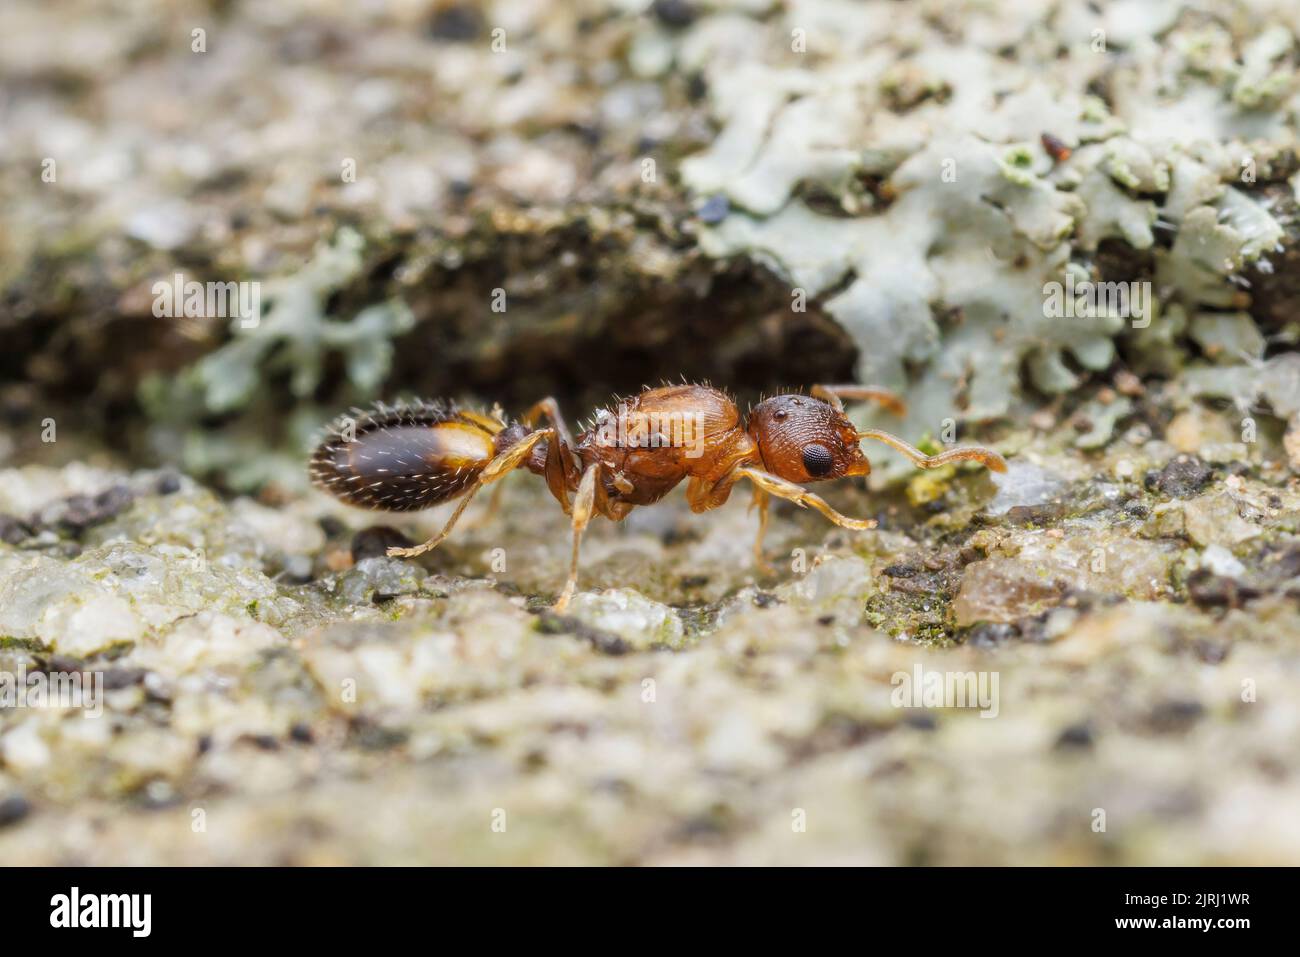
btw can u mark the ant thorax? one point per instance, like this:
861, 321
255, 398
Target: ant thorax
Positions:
632, 428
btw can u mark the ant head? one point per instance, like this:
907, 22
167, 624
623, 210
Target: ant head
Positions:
802, 439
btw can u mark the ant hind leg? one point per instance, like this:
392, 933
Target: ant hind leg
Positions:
560, 466
550, 410
583, 506
489, 513
496, 469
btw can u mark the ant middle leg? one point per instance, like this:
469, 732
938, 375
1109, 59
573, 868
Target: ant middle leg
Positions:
772, 485
489, 513
761, 501
496, 469
965, 453
583, 506
549, 409
836, 394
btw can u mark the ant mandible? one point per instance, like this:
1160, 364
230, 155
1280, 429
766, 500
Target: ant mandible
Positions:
411, 457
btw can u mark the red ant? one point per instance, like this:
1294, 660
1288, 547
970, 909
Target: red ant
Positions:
414, 456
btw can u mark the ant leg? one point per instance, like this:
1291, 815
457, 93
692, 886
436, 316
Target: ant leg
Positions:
965, 453
761, 500
582, 509
560, 469
494, 470
437, 540
835, 394
550, 409
779, 487
489, 513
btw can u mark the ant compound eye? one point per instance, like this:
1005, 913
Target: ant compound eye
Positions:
817, 459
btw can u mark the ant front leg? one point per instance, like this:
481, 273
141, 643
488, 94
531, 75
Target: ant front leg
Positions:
495, 470
965, 453
836, 394
583, 506
761, 501
772, 485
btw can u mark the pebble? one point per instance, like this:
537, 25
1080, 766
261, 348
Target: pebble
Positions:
674, 13
624, 612
1221, 561
1023, 485
376, 540
13, 808
714, 209
1183, 476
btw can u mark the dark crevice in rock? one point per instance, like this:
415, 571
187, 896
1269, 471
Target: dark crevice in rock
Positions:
598, 328
583, 320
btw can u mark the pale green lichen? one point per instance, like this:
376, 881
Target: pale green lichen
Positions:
978, 220
295, 336
1263, 80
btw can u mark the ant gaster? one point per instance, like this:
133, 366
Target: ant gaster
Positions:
415, 456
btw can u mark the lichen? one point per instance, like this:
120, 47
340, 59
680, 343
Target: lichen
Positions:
976, 219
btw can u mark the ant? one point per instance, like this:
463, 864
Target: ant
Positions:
411, 457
